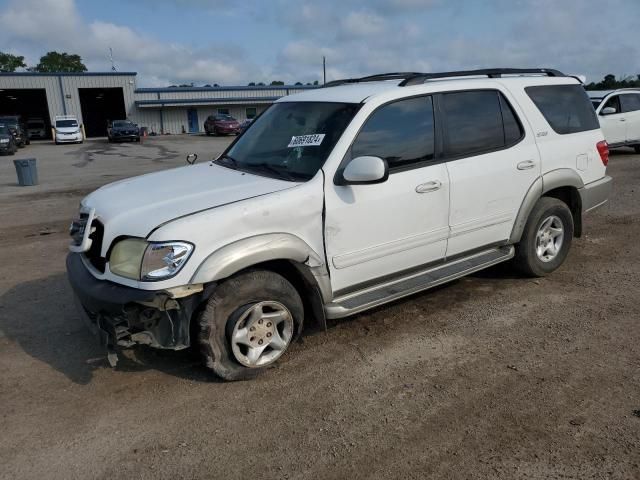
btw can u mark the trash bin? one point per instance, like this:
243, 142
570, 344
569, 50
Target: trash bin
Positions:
27, 172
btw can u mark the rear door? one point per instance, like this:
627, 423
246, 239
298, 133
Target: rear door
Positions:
630, 103
614, 125
374, 231
492, 163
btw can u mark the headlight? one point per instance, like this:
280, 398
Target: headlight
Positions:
4, 140
164, 260
148, 261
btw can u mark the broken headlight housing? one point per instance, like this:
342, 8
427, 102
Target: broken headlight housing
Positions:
138, 259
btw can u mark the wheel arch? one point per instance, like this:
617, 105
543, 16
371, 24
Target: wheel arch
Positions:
563, 184
282, 253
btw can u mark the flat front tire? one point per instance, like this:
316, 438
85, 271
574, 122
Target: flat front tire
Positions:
546, 238
248, 324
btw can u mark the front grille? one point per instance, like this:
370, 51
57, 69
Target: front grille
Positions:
93, 254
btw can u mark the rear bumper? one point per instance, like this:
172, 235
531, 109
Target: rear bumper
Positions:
596, 194
124, 316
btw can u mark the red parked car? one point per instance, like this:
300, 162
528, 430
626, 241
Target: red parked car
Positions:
221, 124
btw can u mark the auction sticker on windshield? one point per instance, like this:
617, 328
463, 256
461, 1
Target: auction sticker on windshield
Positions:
306, 140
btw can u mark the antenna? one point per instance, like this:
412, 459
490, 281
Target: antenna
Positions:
113, 65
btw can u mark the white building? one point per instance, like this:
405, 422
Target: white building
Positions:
94, 98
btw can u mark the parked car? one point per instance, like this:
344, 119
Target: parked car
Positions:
245, 124
120, 130
17, 129
36, 128
7, 141
338, 200
221, 124
619, 115
67, 130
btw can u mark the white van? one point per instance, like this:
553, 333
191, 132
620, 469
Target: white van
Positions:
338, 200
67, 129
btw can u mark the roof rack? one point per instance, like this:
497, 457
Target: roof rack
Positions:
416, 78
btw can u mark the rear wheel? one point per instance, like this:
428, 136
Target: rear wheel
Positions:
546, 239
248, 324
637, 149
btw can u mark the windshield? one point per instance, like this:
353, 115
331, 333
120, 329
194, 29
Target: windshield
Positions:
225, 118
35, 125
4, 130
122, 124
596, 102
290, 140
66, 123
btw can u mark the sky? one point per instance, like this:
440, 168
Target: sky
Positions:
233, 42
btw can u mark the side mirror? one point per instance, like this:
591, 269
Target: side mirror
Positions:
608, 111
364, 170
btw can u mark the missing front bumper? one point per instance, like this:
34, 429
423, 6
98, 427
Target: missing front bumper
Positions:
122, 317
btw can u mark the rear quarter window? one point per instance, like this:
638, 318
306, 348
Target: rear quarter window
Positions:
567, 108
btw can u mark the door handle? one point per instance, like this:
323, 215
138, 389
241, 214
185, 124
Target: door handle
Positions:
429, 187
526, 165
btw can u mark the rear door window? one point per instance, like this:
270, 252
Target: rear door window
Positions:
477, 122
630, 102
401, 132
567, 108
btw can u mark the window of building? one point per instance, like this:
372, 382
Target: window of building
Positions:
251, 112
223, 111
401, 132
567, 108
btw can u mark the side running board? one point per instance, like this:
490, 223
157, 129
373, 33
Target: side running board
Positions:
391, 290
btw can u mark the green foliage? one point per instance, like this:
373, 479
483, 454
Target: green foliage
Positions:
277, 82
9, 63
60, 62
609, 82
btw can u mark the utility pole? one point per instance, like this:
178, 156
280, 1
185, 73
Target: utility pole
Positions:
113, 65
324, 70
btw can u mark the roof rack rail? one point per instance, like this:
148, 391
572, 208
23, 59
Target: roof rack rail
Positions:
489, 72
373, 78
416, 78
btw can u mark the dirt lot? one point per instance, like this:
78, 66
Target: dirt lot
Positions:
493, 376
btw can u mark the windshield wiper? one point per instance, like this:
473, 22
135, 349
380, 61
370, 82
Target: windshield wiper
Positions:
279, 171
232, 162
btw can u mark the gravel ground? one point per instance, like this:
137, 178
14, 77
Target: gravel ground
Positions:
492, 376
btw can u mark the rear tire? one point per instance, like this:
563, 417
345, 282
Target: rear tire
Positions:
546, 238
637, 149
238, 305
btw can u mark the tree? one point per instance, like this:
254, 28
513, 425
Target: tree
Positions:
277, 82
298, 83
9, 63
252, 84
609, 82
315, 82
60, 62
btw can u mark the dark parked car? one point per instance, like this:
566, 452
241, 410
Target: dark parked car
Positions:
7, 141
17, 128
221, 124
245, 124
119, 130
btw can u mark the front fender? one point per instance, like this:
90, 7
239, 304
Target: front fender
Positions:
244, 253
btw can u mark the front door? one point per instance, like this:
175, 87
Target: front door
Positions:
491, 166
373, 231
192, 115
614, 125
630, 103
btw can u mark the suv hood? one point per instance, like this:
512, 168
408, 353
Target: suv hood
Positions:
135, 206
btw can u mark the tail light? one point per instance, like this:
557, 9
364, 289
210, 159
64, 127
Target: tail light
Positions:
603, 150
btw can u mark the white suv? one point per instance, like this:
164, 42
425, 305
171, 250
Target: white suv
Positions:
337, 200
619, 114
67, 130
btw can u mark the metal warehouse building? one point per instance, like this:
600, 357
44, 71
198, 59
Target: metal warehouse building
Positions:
94, 98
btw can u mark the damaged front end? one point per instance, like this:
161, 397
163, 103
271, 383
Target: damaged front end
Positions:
122, 316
